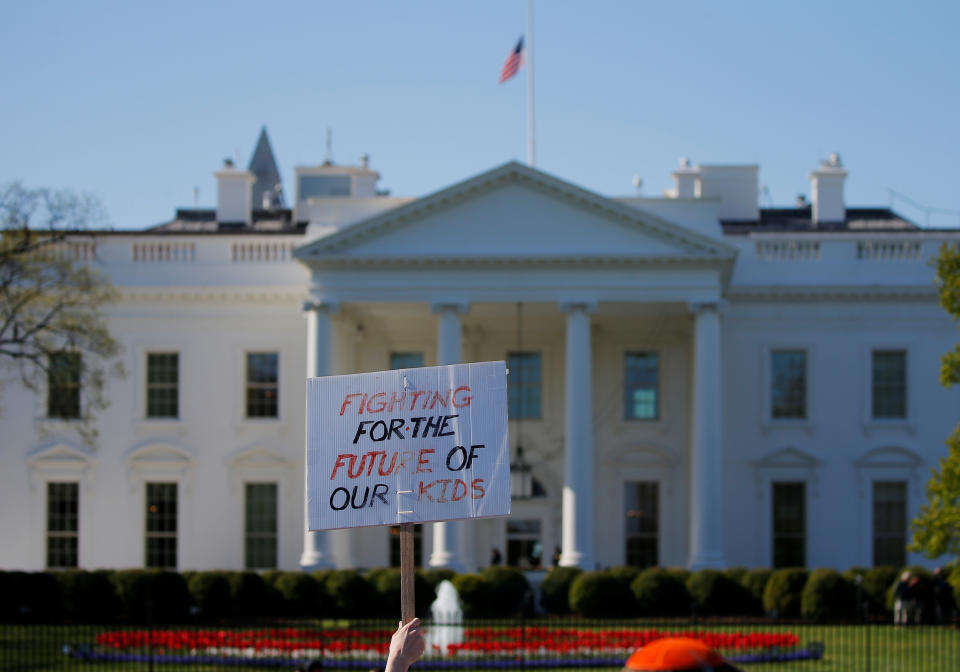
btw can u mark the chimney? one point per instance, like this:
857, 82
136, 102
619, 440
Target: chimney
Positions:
685, 179
826, 188
234, 194
735, 186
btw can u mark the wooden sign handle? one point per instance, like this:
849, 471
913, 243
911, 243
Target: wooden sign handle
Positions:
407, 601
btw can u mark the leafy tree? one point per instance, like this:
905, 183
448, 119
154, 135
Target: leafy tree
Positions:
53, 334
936, 531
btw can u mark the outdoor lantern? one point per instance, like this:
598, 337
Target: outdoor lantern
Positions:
521, 478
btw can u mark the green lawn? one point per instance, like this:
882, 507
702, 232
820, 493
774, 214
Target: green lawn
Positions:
39, 648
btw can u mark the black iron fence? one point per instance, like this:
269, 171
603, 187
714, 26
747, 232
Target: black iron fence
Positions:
537, 644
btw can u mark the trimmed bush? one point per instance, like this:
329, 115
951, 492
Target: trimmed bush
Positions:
433, 577
597, 594
625, 574
781, 597
555, 589
874, 584
755, 583
475, 595
88, 596
250, 595
31, 596
509, 587
301, 593
713, 593
211, 593
735, 574
150, 595
828, 596
660, 592
350, 595
925, 583
386, 584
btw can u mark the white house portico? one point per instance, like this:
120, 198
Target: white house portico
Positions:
695, 380
516, 235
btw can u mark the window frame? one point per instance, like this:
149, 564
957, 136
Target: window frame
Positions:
657, 416
871, 423
657, 534
50, 535
250, 536
51, 389
874, 537
246, 386
149, 534
147, 385
766, 419
804, 535
540, 384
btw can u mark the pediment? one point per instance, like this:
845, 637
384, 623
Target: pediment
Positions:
257, 457
513, 213
60, 456
159, 455
890, 456
788, 457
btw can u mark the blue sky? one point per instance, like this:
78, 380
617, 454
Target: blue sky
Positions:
138, 103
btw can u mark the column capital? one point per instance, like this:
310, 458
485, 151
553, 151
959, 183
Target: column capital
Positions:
460, 307
330, 307
586, 305
697, 307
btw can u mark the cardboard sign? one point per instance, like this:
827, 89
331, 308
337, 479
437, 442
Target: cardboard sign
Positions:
408, 446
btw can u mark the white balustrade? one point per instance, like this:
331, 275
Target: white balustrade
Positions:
166, 251
788, 250
889, 250
271, 251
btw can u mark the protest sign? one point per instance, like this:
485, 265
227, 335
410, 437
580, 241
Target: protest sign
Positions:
407, 446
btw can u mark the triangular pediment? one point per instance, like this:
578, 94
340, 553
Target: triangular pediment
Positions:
60, 456
257, 457
788, 457
890, 456
159, 454
514, 212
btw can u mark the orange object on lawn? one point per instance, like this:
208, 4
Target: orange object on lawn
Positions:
677, 654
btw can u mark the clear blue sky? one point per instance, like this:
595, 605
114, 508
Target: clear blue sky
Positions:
139, 102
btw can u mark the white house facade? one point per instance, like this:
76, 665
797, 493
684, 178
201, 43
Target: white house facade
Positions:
694, 380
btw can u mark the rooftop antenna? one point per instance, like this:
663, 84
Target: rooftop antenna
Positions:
196, 197
637, 184
328, 158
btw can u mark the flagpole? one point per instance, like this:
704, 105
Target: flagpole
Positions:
529, 63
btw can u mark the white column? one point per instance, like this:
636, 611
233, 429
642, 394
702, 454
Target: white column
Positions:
446, 536
706, 444
578, 523
319, 363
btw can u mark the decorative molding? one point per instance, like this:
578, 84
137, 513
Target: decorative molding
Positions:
238, 295
59, 460
835, 292
527, 260
460, 307
512, 173
158, 459
787, 460
589, 306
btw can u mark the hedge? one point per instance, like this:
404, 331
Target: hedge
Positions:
151, 595
660, 592
755, 583
475, 594
713, 593
386, 584
510, 588
781, 597
555, 589
828, 596
597, 594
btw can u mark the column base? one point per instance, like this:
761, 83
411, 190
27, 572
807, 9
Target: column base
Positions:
708, 560
445, 561
311, 562
576, 559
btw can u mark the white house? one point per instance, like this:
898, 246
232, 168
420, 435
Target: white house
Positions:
694, 380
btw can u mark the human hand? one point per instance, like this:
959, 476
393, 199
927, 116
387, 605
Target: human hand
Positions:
406, 646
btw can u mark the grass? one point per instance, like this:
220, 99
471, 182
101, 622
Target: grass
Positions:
39, 648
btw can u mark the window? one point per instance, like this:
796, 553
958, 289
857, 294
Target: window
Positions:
524, 548
890, 523
523, 385
260, 526
406, 360
642, 504
163, 380
889, 384
788, 396
417, 545
323, 185
62, 524
63, 385
161, 525
641, 383
262, 387
789, 525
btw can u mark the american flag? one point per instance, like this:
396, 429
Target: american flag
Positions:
513, 62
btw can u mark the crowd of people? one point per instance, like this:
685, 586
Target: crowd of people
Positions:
916, 602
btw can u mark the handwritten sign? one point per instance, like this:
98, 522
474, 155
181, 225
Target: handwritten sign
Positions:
408, 446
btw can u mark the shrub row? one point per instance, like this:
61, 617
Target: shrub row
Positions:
157, 596
139, 595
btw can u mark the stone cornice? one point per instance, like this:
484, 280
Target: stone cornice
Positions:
221, 294
526, 260
841, 292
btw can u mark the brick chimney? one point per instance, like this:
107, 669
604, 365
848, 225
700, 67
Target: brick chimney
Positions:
826, 188
234, 194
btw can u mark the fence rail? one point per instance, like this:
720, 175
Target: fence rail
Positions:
536, 644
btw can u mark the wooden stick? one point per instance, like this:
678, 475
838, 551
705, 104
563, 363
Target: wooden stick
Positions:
407, 602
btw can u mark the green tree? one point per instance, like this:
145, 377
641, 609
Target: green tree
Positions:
936, 531
53, 333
